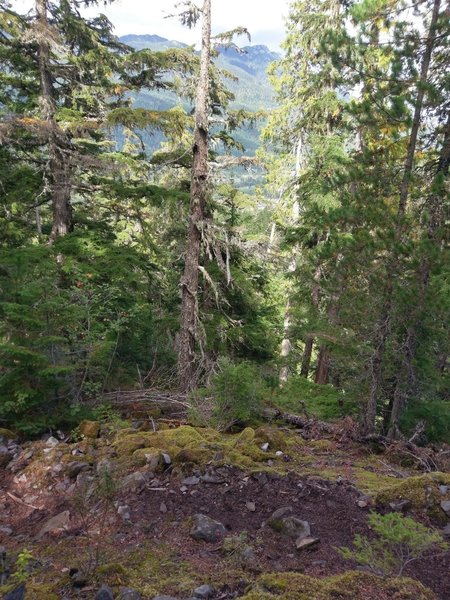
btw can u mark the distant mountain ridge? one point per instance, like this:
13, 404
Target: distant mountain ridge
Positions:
252, 90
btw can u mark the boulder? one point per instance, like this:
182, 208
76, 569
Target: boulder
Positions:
207, 529
89, 429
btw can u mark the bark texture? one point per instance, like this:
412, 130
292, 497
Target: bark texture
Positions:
187, 367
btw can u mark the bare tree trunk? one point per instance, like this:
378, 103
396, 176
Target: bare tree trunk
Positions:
306, 358
199, 192
58, 147
383, 327
406, 376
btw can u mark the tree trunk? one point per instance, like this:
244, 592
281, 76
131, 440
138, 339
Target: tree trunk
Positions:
199, 191
406, 377
306, 358
58, 147
286, 344
323, 364
383, 327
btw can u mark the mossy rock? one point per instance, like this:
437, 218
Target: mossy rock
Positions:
169, 440
246, 436
196, 456
323, 445
277, 439
422, 492
7, 434
354, 585
89, 429
150, 457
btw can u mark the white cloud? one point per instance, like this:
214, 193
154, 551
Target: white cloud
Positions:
263, 18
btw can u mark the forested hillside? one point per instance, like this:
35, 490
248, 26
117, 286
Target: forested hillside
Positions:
226, 266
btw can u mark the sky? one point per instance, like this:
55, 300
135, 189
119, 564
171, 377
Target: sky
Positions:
263, 19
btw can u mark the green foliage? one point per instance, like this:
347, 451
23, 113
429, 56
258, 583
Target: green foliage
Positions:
324, 401
400, 540
435, 414
235, 395
22, 566
64, 330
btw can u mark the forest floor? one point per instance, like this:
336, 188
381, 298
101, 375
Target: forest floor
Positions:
118, 509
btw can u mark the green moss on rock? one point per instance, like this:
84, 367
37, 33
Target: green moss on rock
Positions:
7, 433
422, 492
353, 585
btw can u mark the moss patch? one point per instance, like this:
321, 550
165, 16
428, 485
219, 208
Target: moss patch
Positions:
353, 584
423, 493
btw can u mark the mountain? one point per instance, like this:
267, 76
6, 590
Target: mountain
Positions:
252, 90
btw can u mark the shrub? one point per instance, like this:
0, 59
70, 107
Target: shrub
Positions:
236, 394
400, 540
323, 401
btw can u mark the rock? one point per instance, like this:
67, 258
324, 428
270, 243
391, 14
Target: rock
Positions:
6, 530
211, 478
124, 512
362, 503
445, 505
79, 580
7, 435
204, 592
58, 522
153, 459
284, 523
191, 480
265, 446
51, 442
89, 429
163, 508
251, 506
446, 531
400, 506
164, 598
129, 594
207, 529
261, 478
444, 489
75, 467
307, 542
5, 456
104, 593
104, 466
166, 458
17, 594
135, 482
